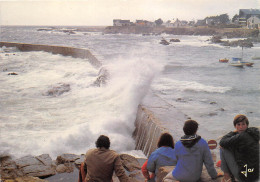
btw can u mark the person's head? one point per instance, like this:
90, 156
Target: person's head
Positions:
103, 141
190, 127
240, 123
165, 140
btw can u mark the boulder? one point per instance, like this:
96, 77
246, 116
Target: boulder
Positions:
39, 166
65, 168
58, 90
27, 179
174, 40
129, 162
79, 161
8, 169
67, 158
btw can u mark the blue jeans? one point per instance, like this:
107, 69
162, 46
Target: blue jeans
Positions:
228, 163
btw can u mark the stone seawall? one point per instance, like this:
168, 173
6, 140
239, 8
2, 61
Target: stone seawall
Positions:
154, 117
65, 51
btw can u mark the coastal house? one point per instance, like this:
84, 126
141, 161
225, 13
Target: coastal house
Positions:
119, 22
212, 21
200, 22
245, 14
253, 22
144, 23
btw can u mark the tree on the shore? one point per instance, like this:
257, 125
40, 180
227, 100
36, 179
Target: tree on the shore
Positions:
235, 17
220, 19
158, 22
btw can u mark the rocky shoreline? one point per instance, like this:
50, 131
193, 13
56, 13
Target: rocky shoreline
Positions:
250, 36
65, 168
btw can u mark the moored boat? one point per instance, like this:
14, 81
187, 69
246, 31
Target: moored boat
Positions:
225, 60
236, 62
247, 63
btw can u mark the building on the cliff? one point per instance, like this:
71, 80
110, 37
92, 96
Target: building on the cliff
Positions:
245, 14
253, 22
145, 23
200, 22
119, 22
176, 23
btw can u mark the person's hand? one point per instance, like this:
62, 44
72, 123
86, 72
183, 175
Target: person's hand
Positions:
220, 174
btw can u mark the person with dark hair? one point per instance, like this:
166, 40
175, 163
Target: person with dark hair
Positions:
239, 152
163, 155
100, 163
191, 152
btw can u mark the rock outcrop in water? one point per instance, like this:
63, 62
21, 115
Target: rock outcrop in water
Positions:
58, 90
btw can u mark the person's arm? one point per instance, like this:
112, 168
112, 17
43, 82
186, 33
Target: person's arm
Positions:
208, 161
145, 171
229, 140
120, 171
151, 164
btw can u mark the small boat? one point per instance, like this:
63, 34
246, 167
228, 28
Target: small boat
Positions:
247, 63
225, 60
256, 58
236, 62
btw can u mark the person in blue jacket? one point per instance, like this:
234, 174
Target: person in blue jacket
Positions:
191, 152
164, 155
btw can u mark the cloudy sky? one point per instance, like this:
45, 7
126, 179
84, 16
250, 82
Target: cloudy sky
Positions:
102, 12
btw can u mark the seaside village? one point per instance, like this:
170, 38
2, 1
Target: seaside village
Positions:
246, 18
70, 167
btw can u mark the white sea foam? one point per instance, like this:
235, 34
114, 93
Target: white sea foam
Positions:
70, 122
169, 85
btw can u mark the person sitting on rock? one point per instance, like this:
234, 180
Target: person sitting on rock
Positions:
164, 155
239, 152
101, 162
191, 152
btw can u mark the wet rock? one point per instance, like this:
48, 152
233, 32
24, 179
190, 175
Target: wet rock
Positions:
129, 162
79, 161
27, 179
8, 169
222, 109
216, 39
174, 40
65, 168
58, 90
164, 42
13, 73
67, 158
102, 78
40, 166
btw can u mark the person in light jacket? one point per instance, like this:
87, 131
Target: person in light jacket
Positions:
191, 152
163, 156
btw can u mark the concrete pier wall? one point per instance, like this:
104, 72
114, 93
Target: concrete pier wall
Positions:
154, 117
65, 51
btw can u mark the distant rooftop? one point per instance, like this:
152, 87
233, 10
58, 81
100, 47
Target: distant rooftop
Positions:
250, 11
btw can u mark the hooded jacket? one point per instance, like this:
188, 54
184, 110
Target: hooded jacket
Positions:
163, 156
245, 147
191, 152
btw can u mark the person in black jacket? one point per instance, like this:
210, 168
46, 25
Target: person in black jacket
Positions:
240, 152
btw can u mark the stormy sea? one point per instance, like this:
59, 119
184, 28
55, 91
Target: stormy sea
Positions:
51, 104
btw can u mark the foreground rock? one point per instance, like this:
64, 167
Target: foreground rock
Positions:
65, 168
